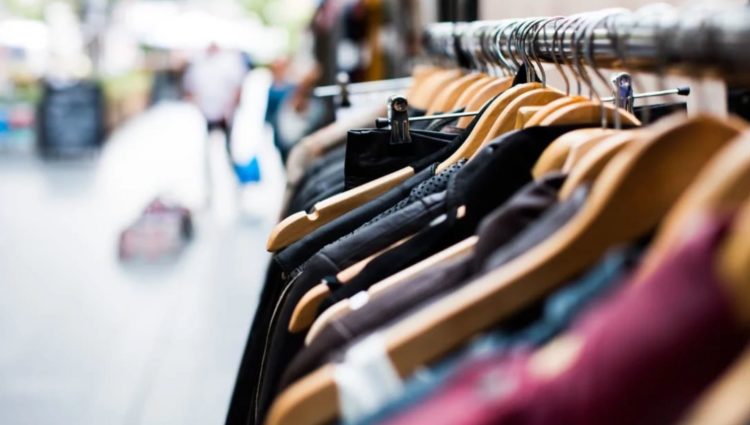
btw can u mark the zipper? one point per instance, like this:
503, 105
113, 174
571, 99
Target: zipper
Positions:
267, 340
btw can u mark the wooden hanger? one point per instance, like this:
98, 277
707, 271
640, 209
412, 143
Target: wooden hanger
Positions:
587, 112
734, 264
617, 210
471, 91
492, 89
721, 187
449, 94
507, 120
554, 156
299, 224
420, 74
307, 307
524, 115
591, 165
344, 307
551, 107
579, 150
428, 91
478, 135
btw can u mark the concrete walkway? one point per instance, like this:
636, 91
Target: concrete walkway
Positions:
86, 340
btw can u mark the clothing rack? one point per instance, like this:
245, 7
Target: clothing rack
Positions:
687, 41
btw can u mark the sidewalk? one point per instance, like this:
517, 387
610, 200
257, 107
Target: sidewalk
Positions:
88, 341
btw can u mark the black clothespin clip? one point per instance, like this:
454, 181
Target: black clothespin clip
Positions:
342, 80
398, 118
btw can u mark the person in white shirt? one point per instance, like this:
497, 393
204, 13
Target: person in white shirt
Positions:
213, 82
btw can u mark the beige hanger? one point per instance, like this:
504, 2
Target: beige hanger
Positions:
299, 224
617, 210
478, 135
591, 165
492, 89
420, 74
524, 115
586, 113
471, 91
449, 94
344, 307
507, 120
307, 307
551, 107
722, 186
578, 151
734, 264
554, 156
429, 90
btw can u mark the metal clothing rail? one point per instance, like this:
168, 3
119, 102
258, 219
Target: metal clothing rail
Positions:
692, 41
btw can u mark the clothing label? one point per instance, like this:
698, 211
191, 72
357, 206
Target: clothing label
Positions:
366, 380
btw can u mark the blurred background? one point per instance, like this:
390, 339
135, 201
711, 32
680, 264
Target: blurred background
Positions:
140, 175
141, 170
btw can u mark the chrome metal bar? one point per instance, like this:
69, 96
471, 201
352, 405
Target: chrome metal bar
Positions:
712, 40
365, 87
679, 91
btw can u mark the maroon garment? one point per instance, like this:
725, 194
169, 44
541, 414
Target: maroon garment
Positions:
645, 355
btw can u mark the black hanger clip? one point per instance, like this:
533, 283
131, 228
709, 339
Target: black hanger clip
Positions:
398, 119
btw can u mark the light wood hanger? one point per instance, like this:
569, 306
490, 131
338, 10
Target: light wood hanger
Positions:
551, 107
578, 151
299, 224
617, 210
307, 307
449, 94
471, 91
554, 156
524, 115
507, 120
734, 264
594, 162
721, 187
428, 91
494, 88
586, 113
420, 74
478, 135
344, 307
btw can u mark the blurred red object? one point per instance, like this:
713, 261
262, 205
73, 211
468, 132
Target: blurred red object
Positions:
161, 232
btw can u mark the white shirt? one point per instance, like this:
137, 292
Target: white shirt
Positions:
214, 80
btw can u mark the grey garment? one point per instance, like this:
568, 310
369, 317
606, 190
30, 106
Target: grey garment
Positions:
495, 230
557, 313
547, 224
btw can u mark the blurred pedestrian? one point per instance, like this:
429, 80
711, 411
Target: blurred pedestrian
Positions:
213, 82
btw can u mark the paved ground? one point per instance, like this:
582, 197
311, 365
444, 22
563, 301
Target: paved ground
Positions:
85, 340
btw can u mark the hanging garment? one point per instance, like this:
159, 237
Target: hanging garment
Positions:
642, 356
397, 302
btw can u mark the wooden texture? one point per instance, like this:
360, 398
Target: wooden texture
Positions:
507, 120
297, 225
478, 135
484, 95
449, 94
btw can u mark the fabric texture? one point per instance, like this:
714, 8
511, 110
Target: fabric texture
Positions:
641, 356
422, 289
